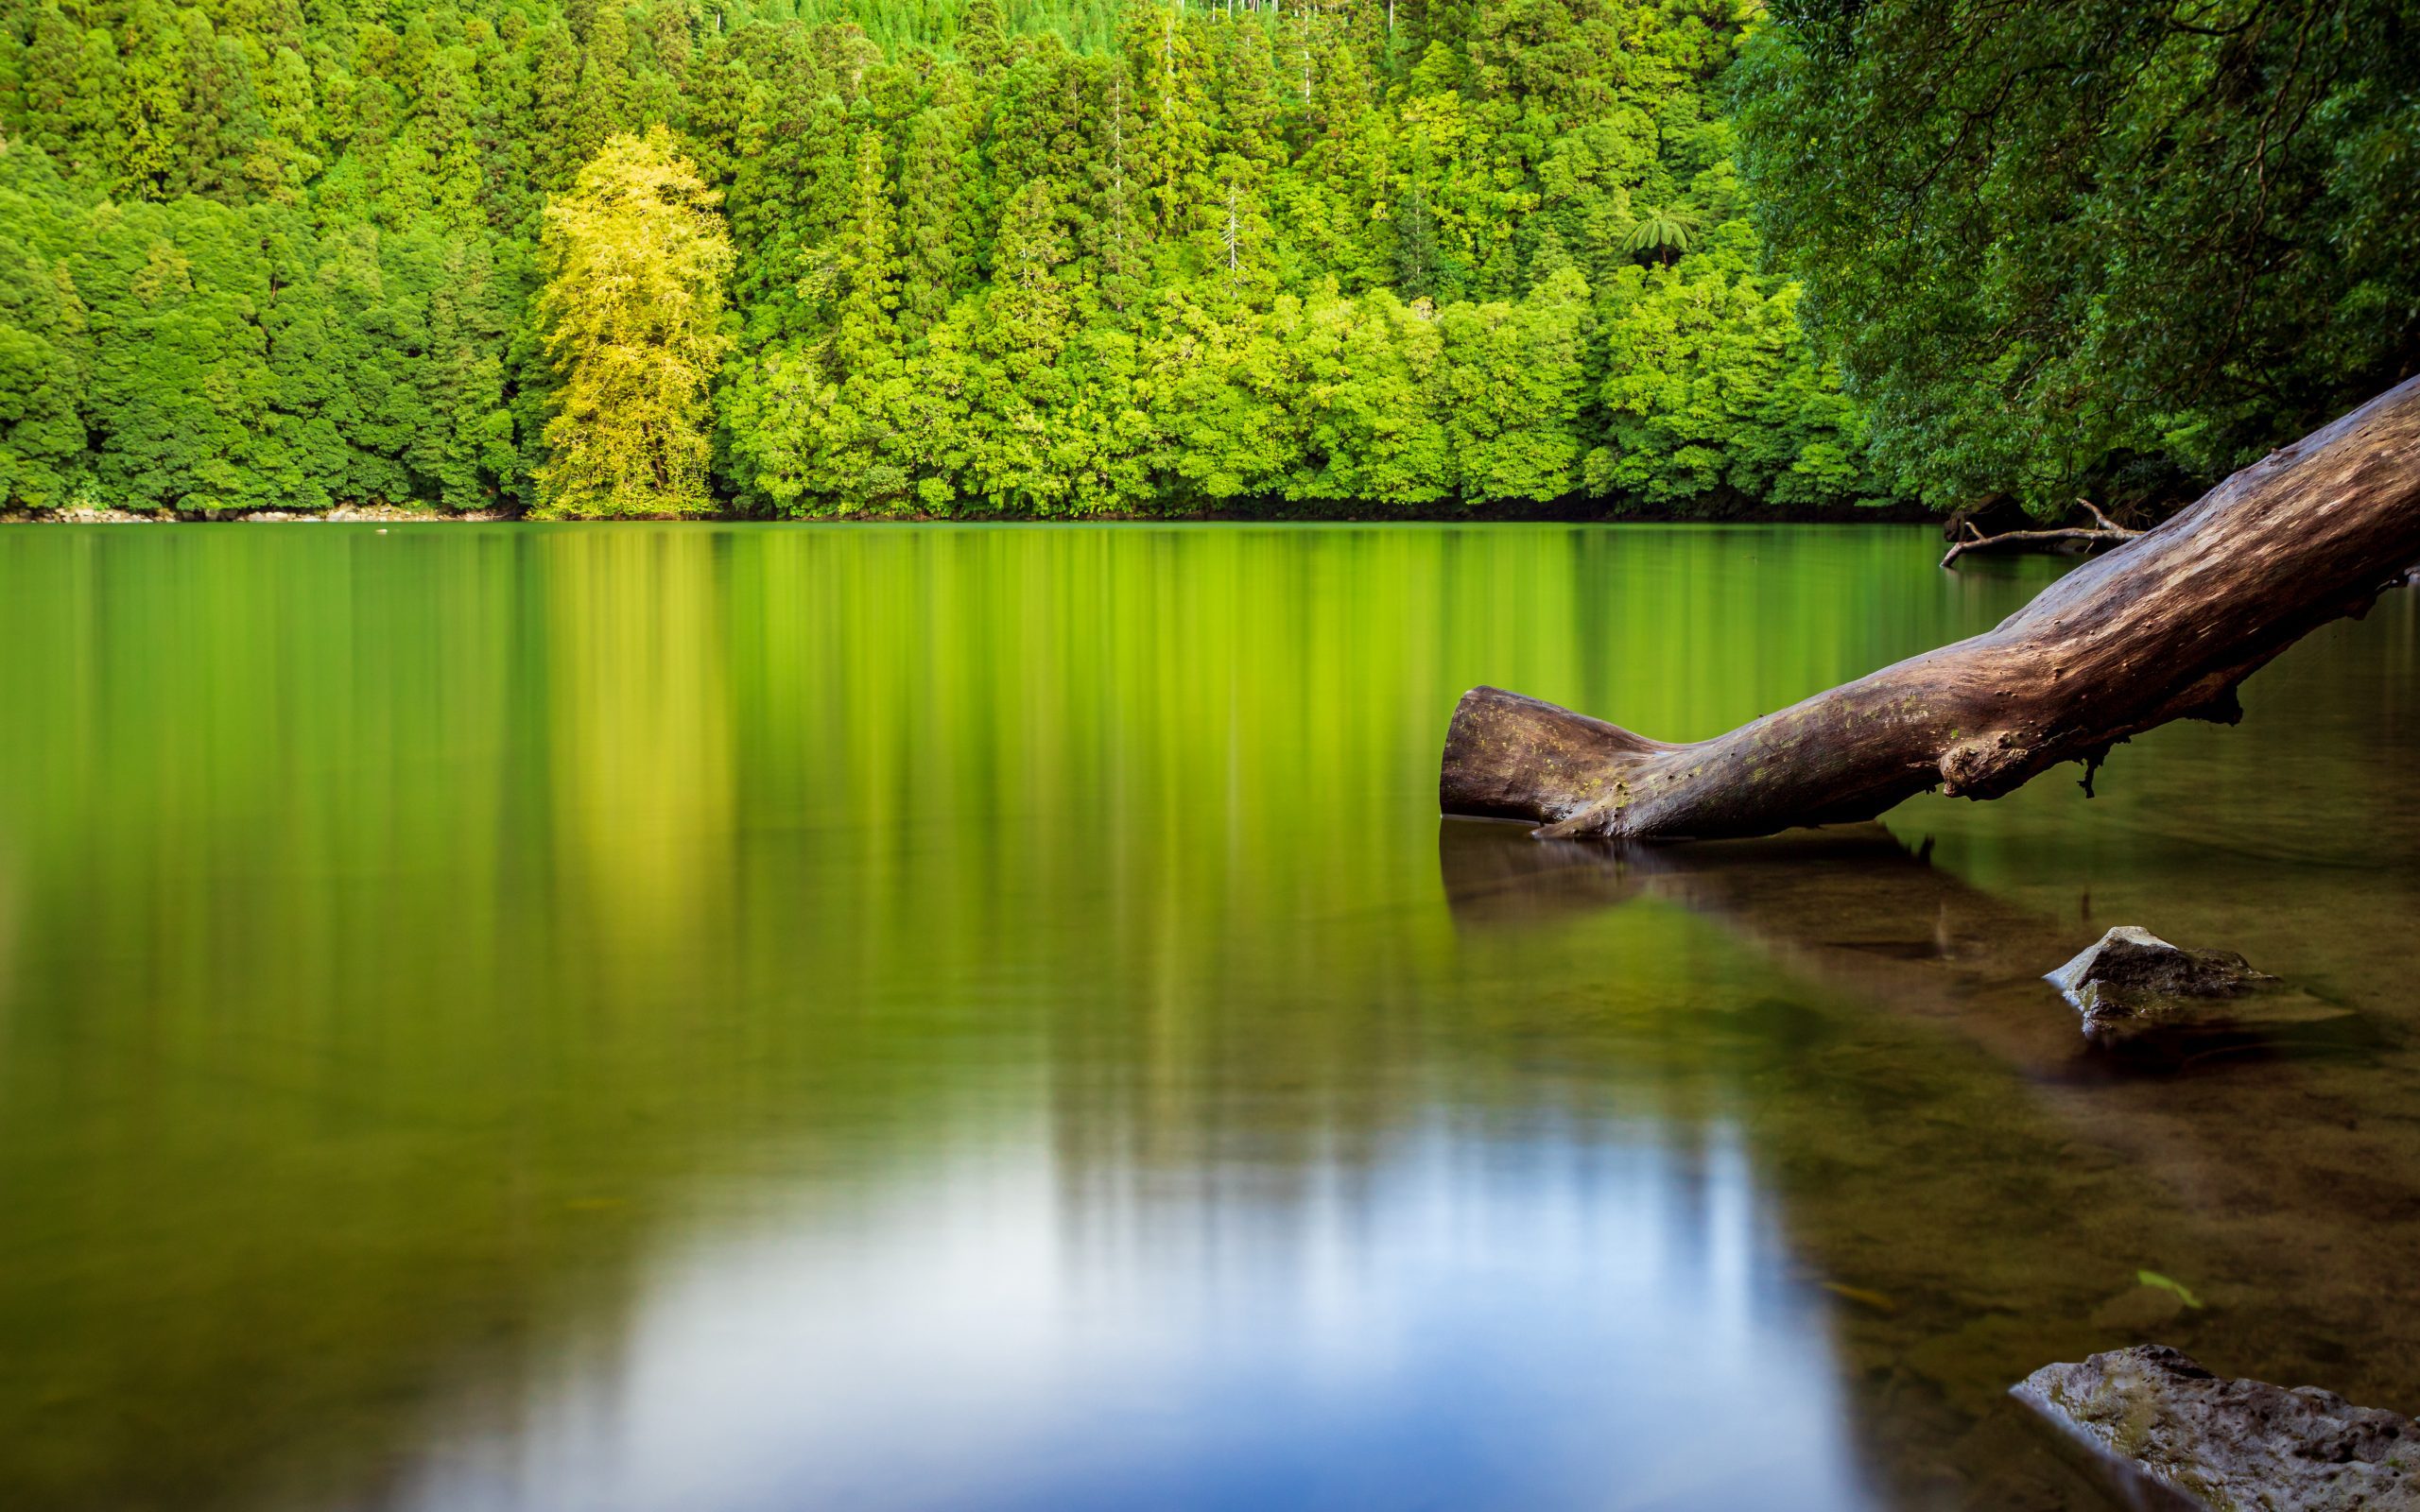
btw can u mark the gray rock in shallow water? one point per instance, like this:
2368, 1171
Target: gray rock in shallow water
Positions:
2232, 1446
2131, 983
2134, 963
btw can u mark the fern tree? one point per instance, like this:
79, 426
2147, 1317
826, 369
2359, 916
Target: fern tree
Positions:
1660, 236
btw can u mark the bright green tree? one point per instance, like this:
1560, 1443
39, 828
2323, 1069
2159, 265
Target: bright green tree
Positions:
636, 258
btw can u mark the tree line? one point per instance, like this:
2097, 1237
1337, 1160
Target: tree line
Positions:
257, 253
816, 257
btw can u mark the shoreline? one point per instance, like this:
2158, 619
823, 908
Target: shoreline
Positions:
1516, 513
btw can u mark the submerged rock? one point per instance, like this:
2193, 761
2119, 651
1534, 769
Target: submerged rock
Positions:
2232, 1446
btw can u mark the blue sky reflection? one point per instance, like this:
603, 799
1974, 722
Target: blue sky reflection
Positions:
1540, 1322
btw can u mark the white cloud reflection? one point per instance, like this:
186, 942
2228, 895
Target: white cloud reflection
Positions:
1536, 1323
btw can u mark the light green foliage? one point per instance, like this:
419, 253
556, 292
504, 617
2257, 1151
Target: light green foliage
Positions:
1372, 386
1261, 256
1711, 390
637, 258
2099, 246
1515, 385
1021, 257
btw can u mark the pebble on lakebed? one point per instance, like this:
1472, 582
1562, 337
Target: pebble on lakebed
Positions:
2231, 1446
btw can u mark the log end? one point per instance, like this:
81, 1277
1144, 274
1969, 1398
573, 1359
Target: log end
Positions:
1511, 757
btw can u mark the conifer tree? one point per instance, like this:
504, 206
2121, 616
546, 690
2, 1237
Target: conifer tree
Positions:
931, 228
1172, 111
287, 156
668, 39
61, 102
1248, 97
220, 123
501, 126
1121, 228
865, 339
983, 41
553, 84
602, 104
151, 97
448, 104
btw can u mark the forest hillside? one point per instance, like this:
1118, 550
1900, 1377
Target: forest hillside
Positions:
934, 258
267, 255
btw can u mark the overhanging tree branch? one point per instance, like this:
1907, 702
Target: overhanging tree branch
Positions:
2164, 627
2107, 533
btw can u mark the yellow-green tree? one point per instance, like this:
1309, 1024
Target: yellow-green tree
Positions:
636, 255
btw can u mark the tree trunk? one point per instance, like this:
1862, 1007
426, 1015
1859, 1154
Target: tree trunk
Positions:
2163, 628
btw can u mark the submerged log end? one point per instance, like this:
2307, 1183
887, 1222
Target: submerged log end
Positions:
1513, 757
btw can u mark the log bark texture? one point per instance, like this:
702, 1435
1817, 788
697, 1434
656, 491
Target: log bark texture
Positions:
2164, 627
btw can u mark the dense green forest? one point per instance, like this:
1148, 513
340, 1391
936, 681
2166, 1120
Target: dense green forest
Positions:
939, 257
2115, 245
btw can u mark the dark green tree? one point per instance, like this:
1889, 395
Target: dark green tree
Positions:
2100, 245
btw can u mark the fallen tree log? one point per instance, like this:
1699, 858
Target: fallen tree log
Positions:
2166, 626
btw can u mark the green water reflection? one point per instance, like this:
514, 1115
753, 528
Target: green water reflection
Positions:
733, 1017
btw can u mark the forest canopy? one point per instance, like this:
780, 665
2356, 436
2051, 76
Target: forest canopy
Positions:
255, 254
1082, 258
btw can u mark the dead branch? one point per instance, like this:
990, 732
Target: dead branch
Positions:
2108, 533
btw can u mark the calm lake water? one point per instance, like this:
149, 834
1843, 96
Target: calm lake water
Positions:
731, 1019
